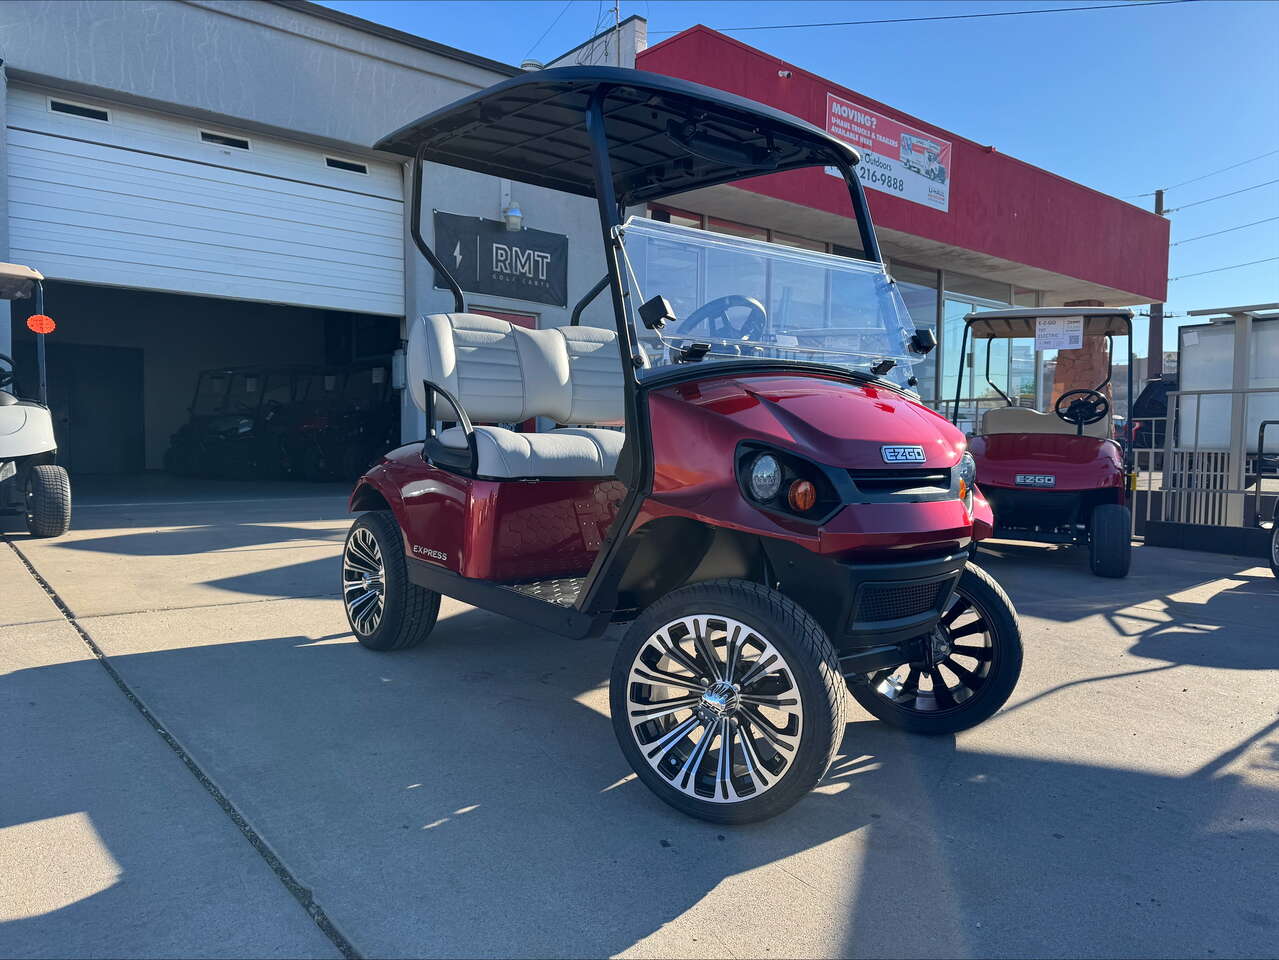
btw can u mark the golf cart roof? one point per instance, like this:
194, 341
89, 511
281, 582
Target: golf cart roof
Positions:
665, 135
16, 281
1020, 322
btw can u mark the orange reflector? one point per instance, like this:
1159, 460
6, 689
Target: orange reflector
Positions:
963, 489
801, 496
39, 323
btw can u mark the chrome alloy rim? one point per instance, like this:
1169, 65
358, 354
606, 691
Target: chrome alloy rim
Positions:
363, 581
714, 708
958, 655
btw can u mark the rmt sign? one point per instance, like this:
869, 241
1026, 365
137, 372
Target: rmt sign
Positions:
484, 257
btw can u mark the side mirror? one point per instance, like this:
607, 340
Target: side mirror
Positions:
923, 341
656, 312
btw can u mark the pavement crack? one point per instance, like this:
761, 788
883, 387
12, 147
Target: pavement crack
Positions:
296, 888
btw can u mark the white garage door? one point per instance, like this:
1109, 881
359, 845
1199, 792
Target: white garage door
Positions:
105, 194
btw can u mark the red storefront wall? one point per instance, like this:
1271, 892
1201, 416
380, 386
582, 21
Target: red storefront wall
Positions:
999, 205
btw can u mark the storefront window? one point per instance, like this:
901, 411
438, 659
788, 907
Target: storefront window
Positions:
919, 289
734, 229
789, 240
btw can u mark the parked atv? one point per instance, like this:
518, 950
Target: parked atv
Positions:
31, 481
344, 420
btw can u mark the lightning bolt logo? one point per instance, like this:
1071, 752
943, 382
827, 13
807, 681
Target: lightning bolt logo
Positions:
457, 255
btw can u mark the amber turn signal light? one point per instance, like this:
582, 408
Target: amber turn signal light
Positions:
801, 496
39, 323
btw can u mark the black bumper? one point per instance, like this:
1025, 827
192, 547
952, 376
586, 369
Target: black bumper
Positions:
862, 605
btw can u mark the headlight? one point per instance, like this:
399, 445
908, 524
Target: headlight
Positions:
967, 470
765, 477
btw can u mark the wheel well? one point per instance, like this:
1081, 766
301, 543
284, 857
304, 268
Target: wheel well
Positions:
672, 552
368, 497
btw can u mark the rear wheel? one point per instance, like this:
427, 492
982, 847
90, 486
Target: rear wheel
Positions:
1110, 540
727, 700
48, 501
385, 609
1274, 548
971, 665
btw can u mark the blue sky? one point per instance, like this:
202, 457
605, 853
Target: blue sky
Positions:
1122, 100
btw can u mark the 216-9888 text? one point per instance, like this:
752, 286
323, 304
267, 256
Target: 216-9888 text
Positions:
878, 179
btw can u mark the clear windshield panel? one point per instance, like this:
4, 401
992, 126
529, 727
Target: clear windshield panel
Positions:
748, 299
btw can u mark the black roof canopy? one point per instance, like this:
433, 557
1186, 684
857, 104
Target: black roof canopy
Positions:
665, 135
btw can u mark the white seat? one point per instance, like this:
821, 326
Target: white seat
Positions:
502, 372
567, 452
1026, 420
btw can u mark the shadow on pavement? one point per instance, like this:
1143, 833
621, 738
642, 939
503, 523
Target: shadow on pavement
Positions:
467, 798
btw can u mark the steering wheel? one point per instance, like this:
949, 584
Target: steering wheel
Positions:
720, 326
1088, 406
6, 376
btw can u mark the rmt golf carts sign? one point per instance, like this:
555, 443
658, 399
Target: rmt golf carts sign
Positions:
487, 258
896, 159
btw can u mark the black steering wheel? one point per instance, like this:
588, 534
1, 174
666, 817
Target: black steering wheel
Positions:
6, 376
720, 326
1088, 406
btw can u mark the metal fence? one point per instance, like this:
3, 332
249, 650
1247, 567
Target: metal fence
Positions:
1213, 460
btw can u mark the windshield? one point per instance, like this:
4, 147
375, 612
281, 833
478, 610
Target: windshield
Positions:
747, 300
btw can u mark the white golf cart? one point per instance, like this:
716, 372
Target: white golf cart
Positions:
31, 482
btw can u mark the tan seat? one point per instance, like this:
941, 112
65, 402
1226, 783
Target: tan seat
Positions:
502, 372
1026, 420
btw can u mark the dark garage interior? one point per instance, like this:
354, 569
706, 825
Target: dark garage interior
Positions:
123, 369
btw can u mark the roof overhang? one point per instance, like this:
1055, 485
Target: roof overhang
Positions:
16, 281
1020, 323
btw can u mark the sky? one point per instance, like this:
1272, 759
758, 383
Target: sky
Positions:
1121, 100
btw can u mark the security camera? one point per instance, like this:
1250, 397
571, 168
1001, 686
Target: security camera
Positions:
784, 74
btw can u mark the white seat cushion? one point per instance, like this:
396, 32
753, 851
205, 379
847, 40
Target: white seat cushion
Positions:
1025, 420
568, 452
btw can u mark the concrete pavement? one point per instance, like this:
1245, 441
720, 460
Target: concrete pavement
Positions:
468, 799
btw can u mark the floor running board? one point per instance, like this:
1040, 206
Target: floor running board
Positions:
563, 591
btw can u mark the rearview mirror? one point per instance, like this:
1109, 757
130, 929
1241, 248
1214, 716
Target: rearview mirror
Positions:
656, 312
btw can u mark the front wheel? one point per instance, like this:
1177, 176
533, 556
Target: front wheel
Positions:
727, 700
1110, 540
48, 506
971, 664
1274, 548
385, 609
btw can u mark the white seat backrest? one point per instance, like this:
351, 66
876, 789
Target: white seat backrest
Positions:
1025, 420
502, 372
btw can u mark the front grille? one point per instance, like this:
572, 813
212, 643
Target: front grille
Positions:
877, 602
887, 485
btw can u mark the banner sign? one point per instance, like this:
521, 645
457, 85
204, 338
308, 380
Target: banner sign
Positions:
896, 159
485, 257
1059, 333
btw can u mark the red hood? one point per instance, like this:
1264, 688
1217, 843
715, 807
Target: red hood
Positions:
835, 422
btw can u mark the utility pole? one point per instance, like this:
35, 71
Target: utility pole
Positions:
617, 31
1155, 340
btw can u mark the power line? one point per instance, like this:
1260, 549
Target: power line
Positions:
1217, 233
548, 30
952, 16
1222, 196
1222, 170
1233, 266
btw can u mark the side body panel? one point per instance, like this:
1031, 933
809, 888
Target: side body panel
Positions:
504, 532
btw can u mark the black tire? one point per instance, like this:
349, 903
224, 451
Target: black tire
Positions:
1110, 540
1274, 548
408, 612
48, 505
983, 681
770, 783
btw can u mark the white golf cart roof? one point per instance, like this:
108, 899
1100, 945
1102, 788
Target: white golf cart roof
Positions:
16, 281
1020, 321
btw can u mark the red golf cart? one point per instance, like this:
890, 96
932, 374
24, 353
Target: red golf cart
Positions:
1059, 477
740, 472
